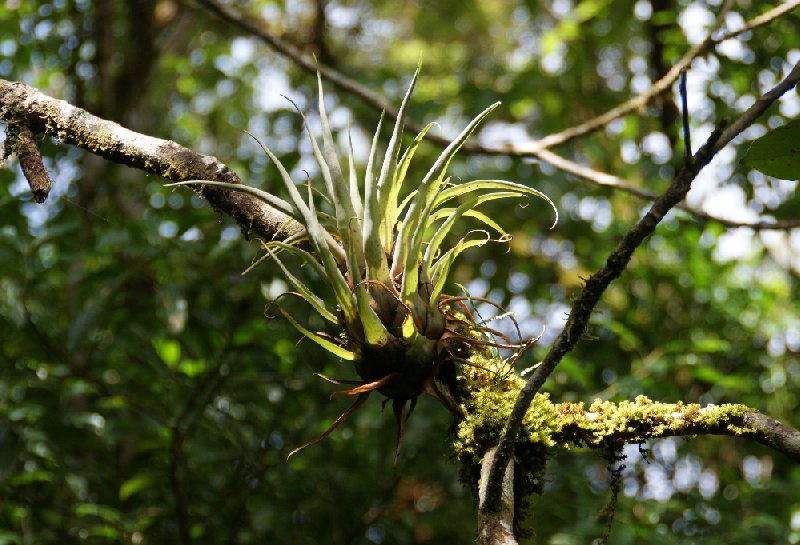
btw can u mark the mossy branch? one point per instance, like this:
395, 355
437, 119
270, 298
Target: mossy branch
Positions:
603, 424
487, 402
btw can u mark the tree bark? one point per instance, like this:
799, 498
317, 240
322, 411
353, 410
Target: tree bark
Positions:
496, 527
22, 104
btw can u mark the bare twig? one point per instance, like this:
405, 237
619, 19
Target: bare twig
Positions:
596, 285
659, 87
774, 434
538, 149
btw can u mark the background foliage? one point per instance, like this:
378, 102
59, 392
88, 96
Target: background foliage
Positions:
144, 398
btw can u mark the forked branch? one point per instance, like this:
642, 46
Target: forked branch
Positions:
596, 285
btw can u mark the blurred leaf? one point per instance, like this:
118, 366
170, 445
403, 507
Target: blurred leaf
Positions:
732, 382
168, 350
134, 485
777, 153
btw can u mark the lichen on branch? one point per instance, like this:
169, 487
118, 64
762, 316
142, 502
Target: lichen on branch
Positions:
491, 397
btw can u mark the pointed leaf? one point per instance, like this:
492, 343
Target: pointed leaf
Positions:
477, 185
355, 194
375, 333
328, 345
269, 198
374, 251
430, 184
441, 269
389, 208
480, 216
304, 291
438, 237
307, 257
388, 169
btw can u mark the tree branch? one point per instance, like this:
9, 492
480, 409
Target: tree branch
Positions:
682, 420
496, 528
604, 425
538, 149
21, 141
71, 125
774, 434
596, 285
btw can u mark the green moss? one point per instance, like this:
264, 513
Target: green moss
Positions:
490, 394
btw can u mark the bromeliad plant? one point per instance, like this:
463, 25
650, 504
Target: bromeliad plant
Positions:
384, 259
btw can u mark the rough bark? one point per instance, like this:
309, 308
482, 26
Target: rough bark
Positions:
70, 125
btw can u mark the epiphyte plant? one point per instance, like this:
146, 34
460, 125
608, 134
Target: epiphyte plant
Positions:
383, 259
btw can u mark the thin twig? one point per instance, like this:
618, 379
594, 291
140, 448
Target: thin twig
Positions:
659, 87
538, 149
596, 285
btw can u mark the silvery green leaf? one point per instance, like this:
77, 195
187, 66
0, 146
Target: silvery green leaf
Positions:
444, 229
325, 343
355, 194
477, 185
303, 290
389, 208
425, 198
269, 198
441, 268
387, 181
374, 252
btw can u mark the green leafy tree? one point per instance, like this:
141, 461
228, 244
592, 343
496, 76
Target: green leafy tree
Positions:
145, 398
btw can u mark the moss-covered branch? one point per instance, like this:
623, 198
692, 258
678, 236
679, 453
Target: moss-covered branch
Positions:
489, 391
29, 107
603, 423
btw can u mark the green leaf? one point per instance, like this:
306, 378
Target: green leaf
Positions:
392, 211
264, 196
476, 185
374, 251
340, 191
328, 345
355, 195
321, 238
307, 257
387, 181
168, 350
134, 485
714, 376
109, 514
441, 268
426, 196
777, 153
303, 290
438, 237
